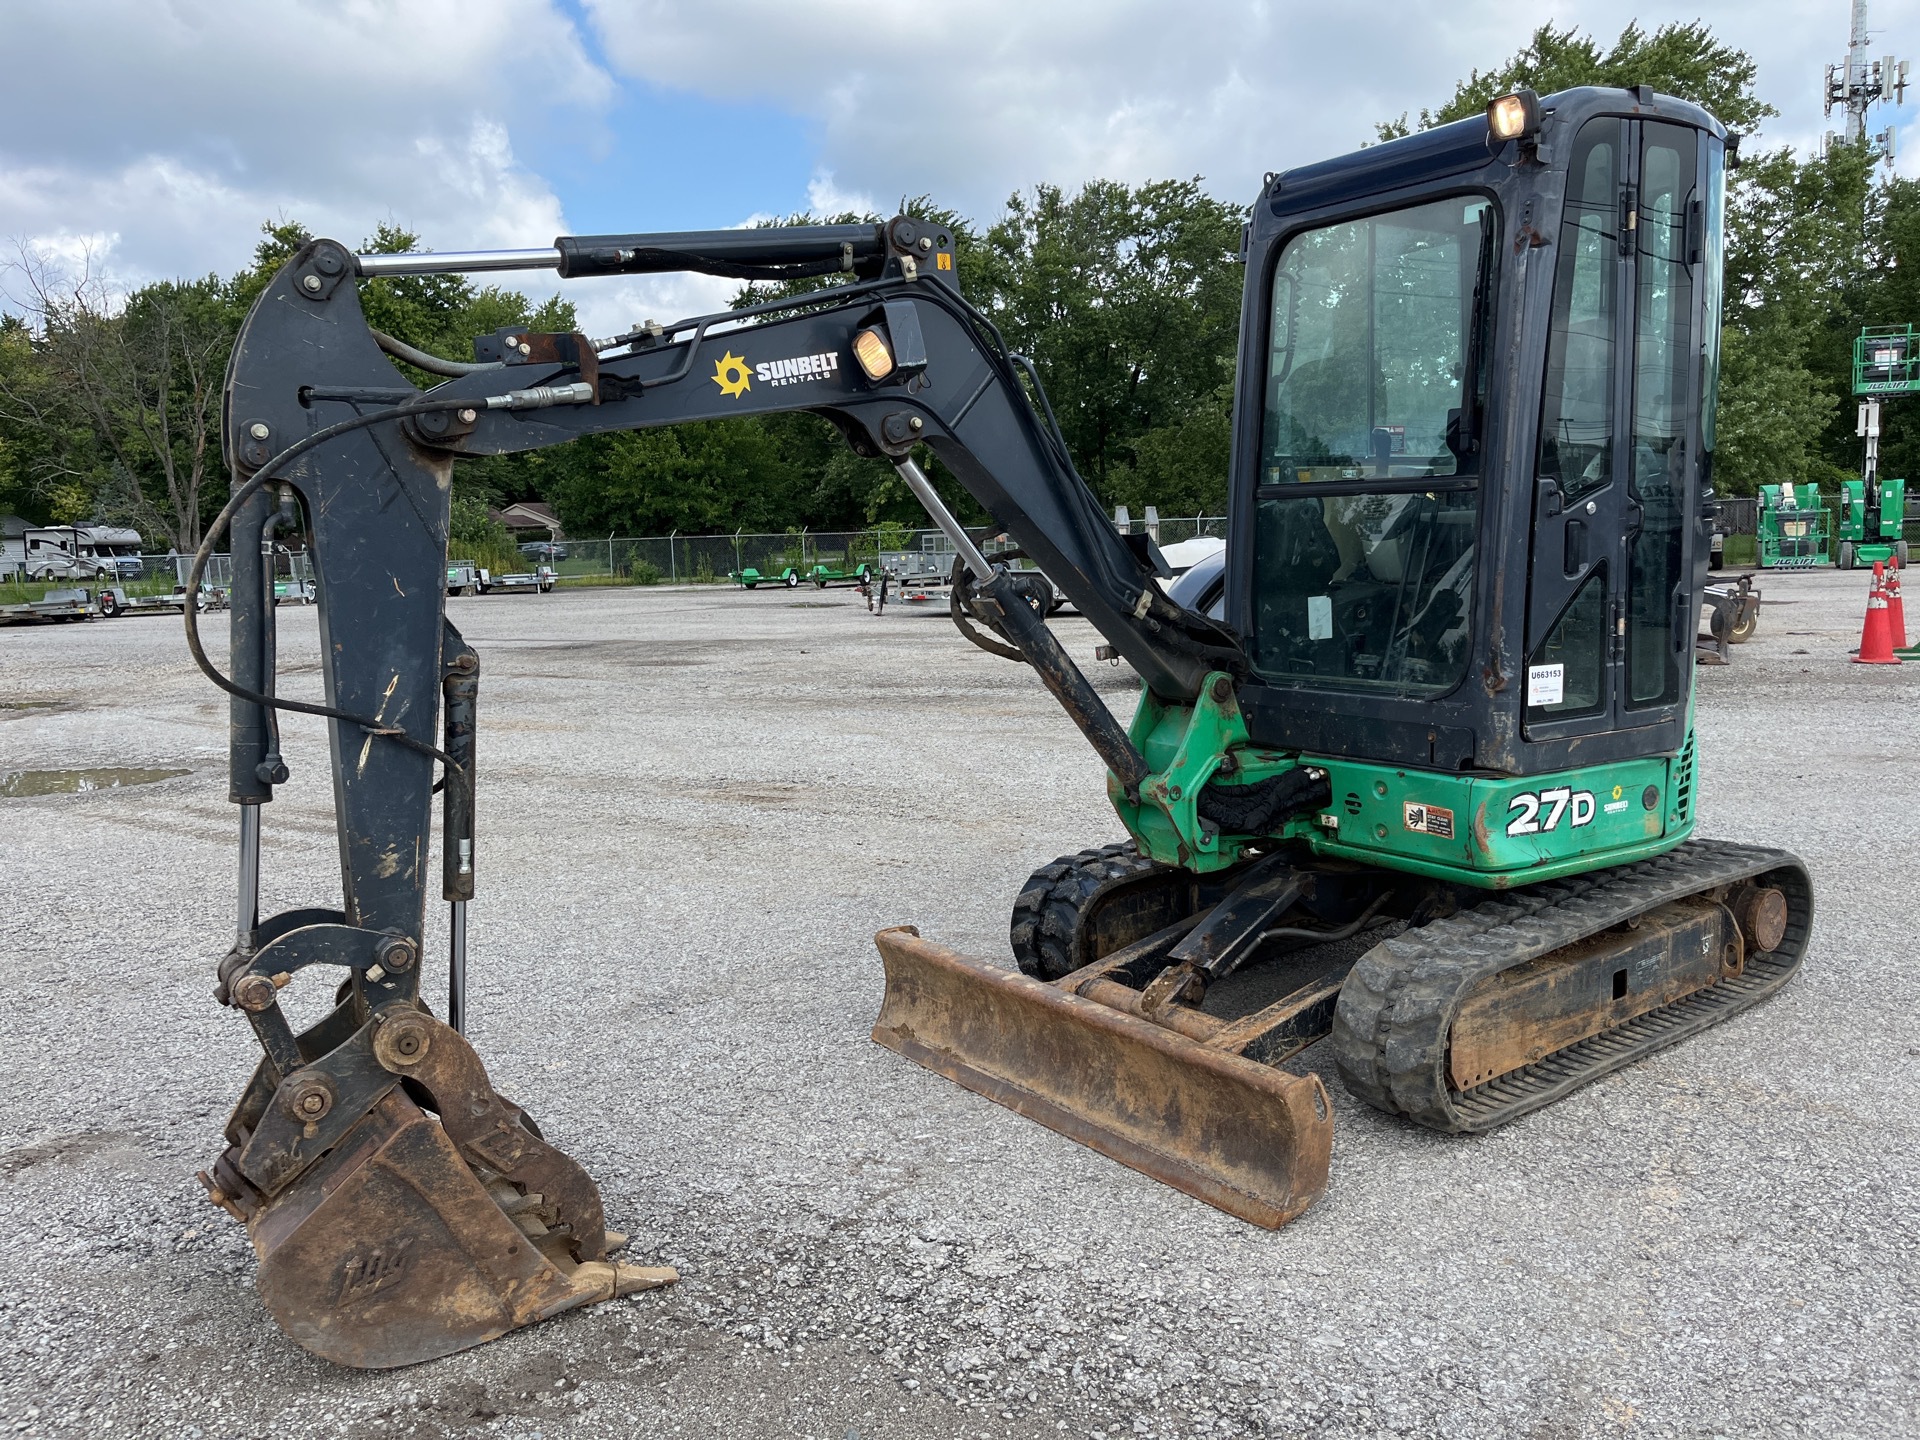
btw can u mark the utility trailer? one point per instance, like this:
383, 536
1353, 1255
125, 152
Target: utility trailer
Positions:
751, 578
916, 576
824, 575
466, 578
539, 580
68, 604
116, 600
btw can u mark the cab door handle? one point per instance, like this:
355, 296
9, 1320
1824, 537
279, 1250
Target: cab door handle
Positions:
1575, 557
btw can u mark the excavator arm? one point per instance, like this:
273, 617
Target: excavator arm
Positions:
401, 1207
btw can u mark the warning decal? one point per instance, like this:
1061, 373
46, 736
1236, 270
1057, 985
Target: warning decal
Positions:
1429, 820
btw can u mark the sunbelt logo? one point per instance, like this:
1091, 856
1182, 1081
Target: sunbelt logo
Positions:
735, 377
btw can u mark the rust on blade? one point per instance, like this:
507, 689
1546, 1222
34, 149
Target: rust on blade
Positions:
1252, 1140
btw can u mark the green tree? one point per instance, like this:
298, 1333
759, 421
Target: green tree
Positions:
1887, 292
1793, 256
1128, 300
834, 487
715, 476
1812, 246
1773, 412
1676, 59
44, 454
121, 393
443, 315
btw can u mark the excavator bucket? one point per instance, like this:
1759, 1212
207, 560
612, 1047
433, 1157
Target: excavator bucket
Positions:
1237, 1133
413, 1237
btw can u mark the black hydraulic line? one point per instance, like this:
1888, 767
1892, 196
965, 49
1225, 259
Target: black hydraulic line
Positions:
1352, 927
246, 492
834, 295
536, 397
432, 364
959, 598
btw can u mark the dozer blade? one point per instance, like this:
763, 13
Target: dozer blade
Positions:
1253, 1140
414, 1237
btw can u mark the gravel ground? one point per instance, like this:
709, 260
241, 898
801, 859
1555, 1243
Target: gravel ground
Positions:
697, 807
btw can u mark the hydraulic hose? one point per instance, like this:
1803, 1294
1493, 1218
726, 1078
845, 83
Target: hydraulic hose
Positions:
424, 360
531, 399
246, 492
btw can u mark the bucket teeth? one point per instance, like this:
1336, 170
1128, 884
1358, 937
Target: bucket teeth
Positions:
1250, 1139
415, 1235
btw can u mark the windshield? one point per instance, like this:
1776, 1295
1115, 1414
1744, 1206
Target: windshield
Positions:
1376, 379
1376, 326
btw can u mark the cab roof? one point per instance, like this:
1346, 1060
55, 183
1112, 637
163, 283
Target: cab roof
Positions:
1463, 145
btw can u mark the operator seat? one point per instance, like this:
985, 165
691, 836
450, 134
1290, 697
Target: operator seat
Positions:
1295, 560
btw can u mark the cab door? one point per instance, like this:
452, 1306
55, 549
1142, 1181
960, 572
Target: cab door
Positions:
1610, 610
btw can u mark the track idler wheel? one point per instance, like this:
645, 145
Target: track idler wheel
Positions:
415, 1234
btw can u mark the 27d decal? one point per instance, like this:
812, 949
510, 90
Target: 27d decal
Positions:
1540, 813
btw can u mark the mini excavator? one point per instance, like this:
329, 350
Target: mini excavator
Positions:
1426, 765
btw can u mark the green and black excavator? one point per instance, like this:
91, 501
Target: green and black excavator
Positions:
1419, 756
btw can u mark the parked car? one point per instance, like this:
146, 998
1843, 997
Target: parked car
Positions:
547, 550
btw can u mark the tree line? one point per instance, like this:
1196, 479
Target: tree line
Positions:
1127, 298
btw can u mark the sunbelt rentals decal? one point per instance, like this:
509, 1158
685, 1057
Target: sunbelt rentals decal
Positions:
735, 377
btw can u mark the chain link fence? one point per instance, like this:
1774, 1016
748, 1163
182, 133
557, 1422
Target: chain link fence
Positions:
142, 577
635, 560
710, 559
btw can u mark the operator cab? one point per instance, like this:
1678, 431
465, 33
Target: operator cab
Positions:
1470, 456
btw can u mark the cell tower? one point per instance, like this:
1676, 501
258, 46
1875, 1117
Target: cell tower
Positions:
1859, 83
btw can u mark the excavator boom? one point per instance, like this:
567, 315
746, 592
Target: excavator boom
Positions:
401, 1207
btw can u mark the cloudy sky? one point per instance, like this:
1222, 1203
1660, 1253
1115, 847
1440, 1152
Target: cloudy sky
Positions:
155, 136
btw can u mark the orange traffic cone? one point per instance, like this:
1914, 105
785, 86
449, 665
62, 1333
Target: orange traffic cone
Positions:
1896, 611
1876, 636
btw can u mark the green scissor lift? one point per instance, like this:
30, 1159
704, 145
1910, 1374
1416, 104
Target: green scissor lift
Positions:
1872, 527
1794, 530
1873, 512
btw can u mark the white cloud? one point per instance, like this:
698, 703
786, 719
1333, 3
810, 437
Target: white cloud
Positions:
179, 128
159, 134
826, 197
613, 305
971, 102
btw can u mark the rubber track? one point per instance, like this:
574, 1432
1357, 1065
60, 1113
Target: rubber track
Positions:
1050, 906
1396, 1009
